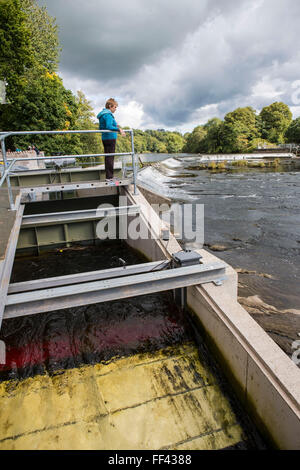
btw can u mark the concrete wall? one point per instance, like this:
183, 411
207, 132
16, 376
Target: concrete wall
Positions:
154, 198
267, 381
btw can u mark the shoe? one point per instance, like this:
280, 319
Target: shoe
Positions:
110, 182
116, 181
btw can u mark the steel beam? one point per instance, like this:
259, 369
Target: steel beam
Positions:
46, 300
53, 218
78, 278
6, 264
46, 188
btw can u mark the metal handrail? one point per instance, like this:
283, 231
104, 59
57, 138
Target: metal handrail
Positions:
8, 166
56, 157
6, 172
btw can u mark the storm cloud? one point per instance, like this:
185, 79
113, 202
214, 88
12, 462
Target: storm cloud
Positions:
177, 64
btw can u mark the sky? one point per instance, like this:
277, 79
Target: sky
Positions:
176, 64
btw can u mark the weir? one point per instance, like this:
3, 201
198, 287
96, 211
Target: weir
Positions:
265, 379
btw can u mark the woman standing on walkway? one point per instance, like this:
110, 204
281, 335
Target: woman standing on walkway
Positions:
107, 122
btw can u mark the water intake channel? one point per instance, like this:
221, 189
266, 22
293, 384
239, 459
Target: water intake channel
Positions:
126, 374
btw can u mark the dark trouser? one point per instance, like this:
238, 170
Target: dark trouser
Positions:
109, 147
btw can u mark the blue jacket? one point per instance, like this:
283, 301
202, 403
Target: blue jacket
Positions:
107, 122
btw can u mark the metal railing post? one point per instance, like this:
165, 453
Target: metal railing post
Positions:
133, 163
10, 195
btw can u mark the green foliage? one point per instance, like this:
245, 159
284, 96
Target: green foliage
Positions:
44, 105
235, 134
151, 141
243, 131
239, 130
84, 120
292, 134
37, 99
213, 142
28, 43
175, 142
43, 33
195, 142
15, 52
123, 144
276, 119
246, 116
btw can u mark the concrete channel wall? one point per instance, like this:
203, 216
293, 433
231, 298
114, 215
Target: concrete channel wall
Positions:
265, 378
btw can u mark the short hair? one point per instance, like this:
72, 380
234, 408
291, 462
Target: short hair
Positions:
110, 102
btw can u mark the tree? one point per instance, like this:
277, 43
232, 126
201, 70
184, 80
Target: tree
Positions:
239, 130
175, 142
213, 142
45, 105
276, 119
234, 137
43, 33
36, 95
246, 116
123, 144
84, 120
159, 141
15, 52
292, 134
161, 147
195, 140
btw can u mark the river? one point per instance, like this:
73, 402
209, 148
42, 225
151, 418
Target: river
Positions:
252, 221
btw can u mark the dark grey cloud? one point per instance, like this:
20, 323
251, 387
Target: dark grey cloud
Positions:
114, 39
180, 60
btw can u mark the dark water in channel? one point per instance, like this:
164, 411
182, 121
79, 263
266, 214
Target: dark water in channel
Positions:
88, 334
252, 221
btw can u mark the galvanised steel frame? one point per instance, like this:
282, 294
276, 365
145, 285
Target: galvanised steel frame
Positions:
112, 284
39, 231
100, 286
9, 164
